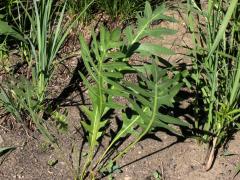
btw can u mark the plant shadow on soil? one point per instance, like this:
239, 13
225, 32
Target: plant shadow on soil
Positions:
186, 112
176, 111
74, 85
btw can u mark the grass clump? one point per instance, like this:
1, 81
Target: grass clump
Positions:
25, 96
117, 10
216, 70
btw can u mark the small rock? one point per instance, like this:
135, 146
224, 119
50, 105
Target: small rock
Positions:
127, 178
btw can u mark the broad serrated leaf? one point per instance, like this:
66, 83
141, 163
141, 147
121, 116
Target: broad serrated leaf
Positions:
86, 126
129, 34
175, 90
143, 100
171, 120
136, 107
116, 34
154, 49
158, 12
166, 83
87, 112
137, 89
84, 46
145, 70
160, 124
116, 55
99, 134
102, 124
159, 32
117, 65
112, 74
103, 43
86, 83
128, 125
114, 105
143, 23
116, 85
116, 92
148, 10
114, 45
166, 100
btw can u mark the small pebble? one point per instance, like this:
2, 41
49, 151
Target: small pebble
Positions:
127, 178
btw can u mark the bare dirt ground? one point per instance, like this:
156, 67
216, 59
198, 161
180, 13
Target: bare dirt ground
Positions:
172, 157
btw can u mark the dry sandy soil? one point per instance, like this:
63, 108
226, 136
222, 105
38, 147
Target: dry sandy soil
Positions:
173, 158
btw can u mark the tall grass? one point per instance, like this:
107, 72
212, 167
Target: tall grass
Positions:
120, 10
216, 65
73, 7
46, 35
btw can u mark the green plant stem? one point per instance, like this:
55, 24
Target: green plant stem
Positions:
194, 40
212, 96
223, 26
155, 109
236, 83
143, 28
97, 119
119, 135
